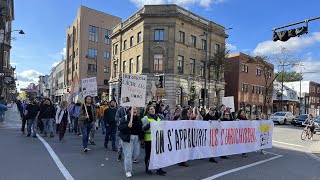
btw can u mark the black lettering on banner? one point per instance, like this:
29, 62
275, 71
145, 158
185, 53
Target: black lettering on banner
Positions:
159, 142
205, 137
193, 137
169, 139
189, 138
177, 139
185, 136
181, 138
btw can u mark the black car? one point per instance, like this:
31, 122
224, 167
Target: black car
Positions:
300, 119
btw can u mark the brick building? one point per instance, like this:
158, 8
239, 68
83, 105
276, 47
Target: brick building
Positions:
246, 81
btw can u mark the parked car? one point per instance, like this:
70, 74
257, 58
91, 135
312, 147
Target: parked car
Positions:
300, 119
282, 117
317, 124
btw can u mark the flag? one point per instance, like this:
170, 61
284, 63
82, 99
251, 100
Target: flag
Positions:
74, 88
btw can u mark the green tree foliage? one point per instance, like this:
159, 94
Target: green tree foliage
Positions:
288, 76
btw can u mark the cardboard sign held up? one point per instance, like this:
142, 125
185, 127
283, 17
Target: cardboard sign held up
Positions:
89, 87
133, 90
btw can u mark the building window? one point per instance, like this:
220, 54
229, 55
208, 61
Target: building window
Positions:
313, 88
116, 49
202, 69
193, 41
258, 72
106, 54
139, 37
204, 44
180, 64
92, 53
258, 90
115, 68
92, 68
216, 48
106, 37
159, 34
5, 59
245, 68
106, 69
158, 62
131, 66
131, 41
124, 65
93, 33
192, 66
124, 44
318, 90
244, 87
181, 37
253, 89
106, 82
138, 64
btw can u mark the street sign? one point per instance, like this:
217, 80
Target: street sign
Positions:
8, 80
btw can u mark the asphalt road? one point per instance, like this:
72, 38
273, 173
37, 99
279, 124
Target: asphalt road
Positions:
27, 158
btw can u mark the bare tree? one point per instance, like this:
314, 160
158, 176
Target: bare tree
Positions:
217, 66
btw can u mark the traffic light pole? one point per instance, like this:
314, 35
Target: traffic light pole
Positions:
300, 22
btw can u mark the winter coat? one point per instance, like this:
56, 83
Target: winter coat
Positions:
59, 115
125, 132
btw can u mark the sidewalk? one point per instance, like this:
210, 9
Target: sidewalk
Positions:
315, 148
12, 118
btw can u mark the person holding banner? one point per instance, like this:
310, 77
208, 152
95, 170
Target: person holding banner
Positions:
242, 116
87, 117
149, 117
211, 115
130, 133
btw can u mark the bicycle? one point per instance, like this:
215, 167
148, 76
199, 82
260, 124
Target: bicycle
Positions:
306, 132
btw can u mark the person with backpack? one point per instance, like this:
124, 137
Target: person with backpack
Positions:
47, 114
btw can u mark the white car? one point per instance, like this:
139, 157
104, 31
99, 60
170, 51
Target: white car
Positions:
282, 117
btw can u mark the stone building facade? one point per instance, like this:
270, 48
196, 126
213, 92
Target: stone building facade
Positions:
168, 44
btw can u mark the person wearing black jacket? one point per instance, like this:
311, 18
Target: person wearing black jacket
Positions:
111, 125
47, 115
130, 134
32, 113
242, 116
211, 115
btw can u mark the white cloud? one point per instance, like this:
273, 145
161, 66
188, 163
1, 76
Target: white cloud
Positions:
63, 52
231, 47
293, 44
203, 3
55, 63
27, 77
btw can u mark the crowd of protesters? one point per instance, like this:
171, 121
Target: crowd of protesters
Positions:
130, 125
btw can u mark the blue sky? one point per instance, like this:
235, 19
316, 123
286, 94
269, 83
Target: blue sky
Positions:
45, 23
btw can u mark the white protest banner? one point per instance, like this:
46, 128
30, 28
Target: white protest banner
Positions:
179, 141
89, 87
229, 102
133, 90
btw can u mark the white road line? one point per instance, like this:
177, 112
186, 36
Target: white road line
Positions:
288, 144
288, 147
61, 167
243, 167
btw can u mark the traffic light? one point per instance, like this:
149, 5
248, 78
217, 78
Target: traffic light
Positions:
287, 34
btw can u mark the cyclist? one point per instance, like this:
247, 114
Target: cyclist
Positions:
309, 122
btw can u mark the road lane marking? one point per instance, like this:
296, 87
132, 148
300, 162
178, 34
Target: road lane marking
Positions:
243, 167
61, 167
288, 144
288, 147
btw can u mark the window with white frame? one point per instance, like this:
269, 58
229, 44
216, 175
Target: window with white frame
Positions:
106, 36
93, 33
131, 66
138, 64
92, 53
106, 54
158, 62
180, 64
139, 37
245, 68
244, 87
192, 66
193, 41
5, 59
181, 37
124, 67
159, 34
258, 72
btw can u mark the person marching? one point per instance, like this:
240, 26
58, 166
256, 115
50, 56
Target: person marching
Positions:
100, 116
32, 113
150, 116
62, 118
242, 116
130, 134
87, 117
111, 125
47, 114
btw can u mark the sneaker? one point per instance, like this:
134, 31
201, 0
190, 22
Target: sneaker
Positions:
85, 149
149, 172
135, 161
128, 174
161, 172
212, 160
92, 143
88, 149
61, 141
28, 135
119, 158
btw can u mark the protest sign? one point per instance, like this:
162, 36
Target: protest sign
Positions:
133, 90
179, 141
229, 102
89, 87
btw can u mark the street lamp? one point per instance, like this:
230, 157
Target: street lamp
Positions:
2, 55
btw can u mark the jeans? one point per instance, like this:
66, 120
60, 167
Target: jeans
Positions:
2, 113
131, 151
40, 125
103, 127
24, 120
85, 129
92, 132
48, 126
33, 123
62, 130
110, 131
76, 126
